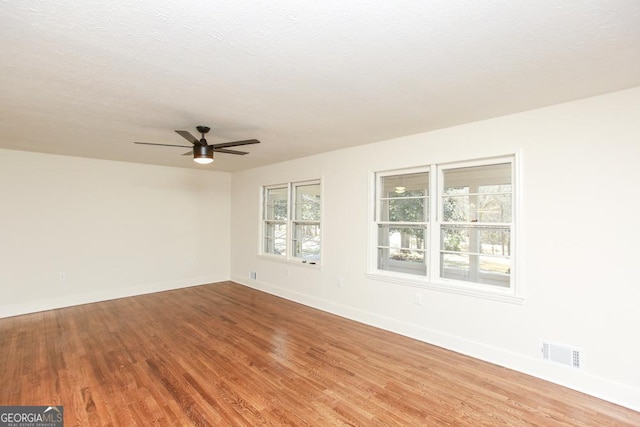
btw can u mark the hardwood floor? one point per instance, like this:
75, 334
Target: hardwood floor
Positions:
225, 354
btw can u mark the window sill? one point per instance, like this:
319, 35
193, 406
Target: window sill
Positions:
298, 262
453, 288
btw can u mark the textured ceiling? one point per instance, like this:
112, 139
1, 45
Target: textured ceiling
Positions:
89, 77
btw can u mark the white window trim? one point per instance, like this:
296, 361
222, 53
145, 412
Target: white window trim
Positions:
289, 259
514, 294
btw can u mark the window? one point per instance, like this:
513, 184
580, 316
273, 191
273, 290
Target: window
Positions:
291, 221
446, 226
275, 213
402, 215
475, 231
306, 221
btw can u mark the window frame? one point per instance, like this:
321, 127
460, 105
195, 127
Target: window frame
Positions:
265, 221
294, 186
290, 223
415, 224
433, 279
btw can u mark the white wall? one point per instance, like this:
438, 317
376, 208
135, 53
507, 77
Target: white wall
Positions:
115, 229
580, 171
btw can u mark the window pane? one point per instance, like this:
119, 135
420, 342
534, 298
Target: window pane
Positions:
477, 269
307, 202
404, 209
497, 265
404, 198
495, 207
275, 235
499, 174
408, 185
456, 208
276, 203
402, 261
477, 194
476, 254
454, 239
407, 237
306, 241
455, 266
478, 240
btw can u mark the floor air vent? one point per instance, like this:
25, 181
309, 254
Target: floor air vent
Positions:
562, 354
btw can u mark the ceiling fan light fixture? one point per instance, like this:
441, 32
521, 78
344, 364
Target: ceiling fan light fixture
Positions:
203, 154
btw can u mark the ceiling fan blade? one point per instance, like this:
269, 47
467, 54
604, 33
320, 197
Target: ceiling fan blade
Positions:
162, 145
235, 143
224, 150
186, 135
188, 153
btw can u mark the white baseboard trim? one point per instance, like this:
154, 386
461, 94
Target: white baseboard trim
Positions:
602, 388
105, 295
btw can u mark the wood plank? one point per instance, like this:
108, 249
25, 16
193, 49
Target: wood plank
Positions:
224, 354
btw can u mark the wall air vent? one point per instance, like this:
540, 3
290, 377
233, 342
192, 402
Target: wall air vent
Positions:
562, 354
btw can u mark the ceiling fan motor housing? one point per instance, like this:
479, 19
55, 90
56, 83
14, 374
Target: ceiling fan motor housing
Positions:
203, 151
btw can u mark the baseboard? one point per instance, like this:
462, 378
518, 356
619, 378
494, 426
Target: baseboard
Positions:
602, 388
105, 295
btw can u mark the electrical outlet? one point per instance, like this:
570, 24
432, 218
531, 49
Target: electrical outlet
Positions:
253, 275
418, 298
62, 277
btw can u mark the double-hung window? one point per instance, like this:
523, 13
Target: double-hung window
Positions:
446, 226
402, 218
275, 214
291, 215
475, 230
305, 241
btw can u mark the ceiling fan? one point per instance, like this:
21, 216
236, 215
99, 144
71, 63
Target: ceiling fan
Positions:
201, 150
